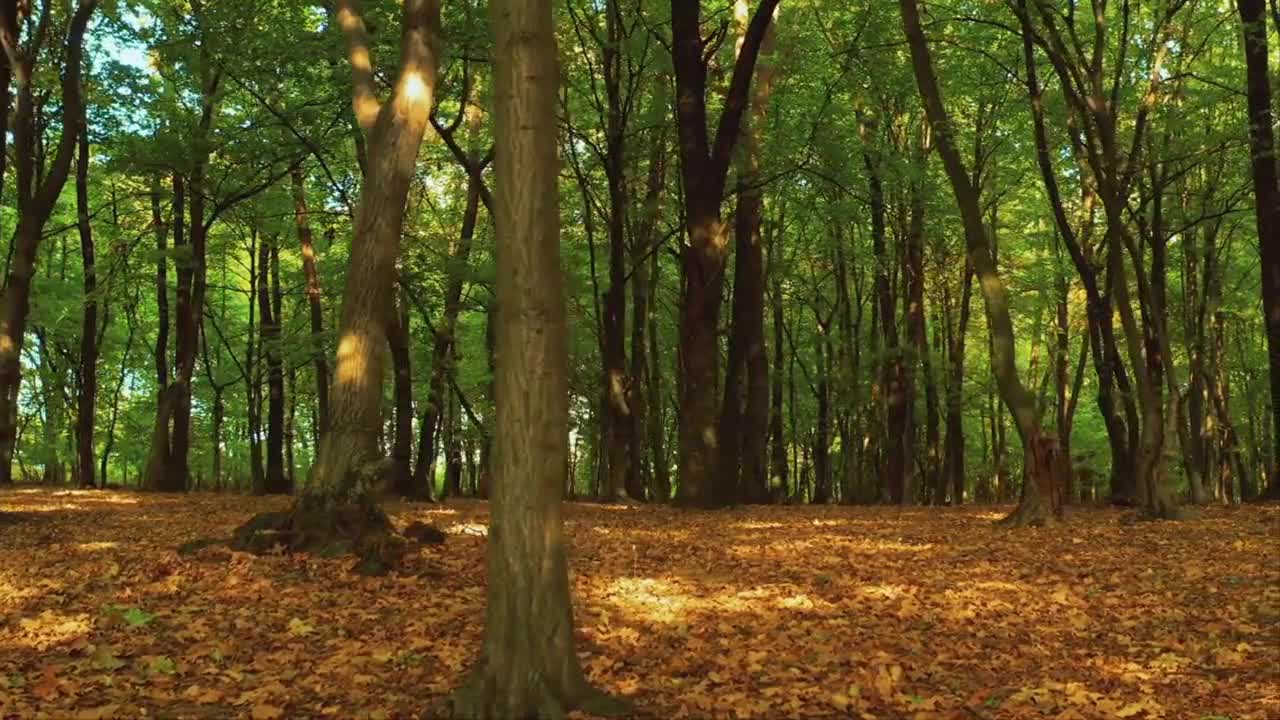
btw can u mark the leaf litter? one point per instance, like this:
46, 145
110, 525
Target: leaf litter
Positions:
755, 612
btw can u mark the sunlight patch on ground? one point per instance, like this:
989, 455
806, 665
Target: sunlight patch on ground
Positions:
756, 525
11, 593
99, 496
474, 529
51, 628
653, 599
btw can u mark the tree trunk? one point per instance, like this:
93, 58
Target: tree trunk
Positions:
527, 666
744, 416
252, 384
443, 337
617, 416
37, 194
401, 479
87, 402
913, 269
953, 440
1099, 308
319, 360
276, 481
822, 433
157, 466
1037, 506
656, 405
779, 467
704, 167
1266, 190
337, 509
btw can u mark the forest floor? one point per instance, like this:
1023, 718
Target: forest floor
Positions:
762, 612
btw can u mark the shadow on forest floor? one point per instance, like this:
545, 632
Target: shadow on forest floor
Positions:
766, 612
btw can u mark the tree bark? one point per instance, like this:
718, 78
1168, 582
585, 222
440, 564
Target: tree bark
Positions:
402, 383
1266, 190
349, 465
337, 510
744, 415
527, 666
88, 396
704, 166
779, 467
319, 360
276, 481
1037, 505
36, 197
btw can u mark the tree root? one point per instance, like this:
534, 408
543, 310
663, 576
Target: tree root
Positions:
327, 528
1027, 516
532, 697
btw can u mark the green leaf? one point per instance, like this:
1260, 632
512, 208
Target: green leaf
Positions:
137, 617
163, 665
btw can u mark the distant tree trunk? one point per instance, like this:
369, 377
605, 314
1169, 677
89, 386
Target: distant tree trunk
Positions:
87, 402
252, 385
453, 486
822, 432
704, 167
642, 468
1266, 190
275, 480
1037, 505
657, 416
37, 195
157, 464
402, 381
617, 417
1099, 309
108, 445
744, 416
892, 372
527, 665
913, 270
777, 438
443, 337
953, 441
319, 360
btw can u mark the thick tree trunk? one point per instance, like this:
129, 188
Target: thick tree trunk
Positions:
527, 666
87, 401
1266, 190
338, 509
1037, 505
319, 359
37, 194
